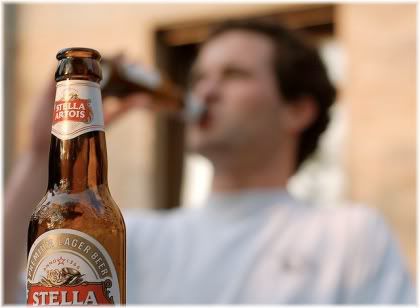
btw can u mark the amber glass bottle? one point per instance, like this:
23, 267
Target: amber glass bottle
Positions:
76, 238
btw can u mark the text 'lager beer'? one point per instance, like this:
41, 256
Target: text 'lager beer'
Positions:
76, 239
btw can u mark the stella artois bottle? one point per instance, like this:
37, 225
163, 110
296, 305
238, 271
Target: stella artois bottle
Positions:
76, 238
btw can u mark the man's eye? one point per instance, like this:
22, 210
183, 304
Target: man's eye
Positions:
194, 79
236, 73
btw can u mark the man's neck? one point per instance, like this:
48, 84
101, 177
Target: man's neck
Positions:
236, 183
269, 173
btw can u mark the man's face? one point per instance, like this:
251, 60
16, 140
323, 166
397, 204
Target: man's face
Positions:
234, 77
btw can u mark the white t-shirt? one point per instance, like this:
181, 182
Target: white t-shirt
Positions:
263, 247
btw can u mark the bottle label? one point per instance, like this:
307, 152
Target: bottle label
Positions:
69, 267
77, 109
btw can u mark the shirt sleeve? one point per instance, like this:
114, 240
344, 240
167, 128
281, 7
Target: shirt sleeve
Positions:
377, 272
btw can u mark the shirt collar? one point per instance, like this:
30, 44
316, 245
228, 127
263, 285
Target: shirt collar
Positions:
246, 202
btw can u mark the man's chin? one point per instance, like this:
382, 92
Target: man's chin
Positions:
208, 143
198, 149
208, 149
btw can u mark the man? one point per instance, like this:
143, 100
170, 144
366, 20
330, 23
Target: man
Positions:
267, 96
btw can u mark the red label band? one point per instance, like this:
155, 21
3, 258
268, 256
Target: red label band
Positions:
84, 294
75, 109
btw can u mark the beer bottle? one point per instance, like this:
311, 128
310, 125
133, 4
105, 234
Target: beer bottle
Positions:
121, 79
76, 239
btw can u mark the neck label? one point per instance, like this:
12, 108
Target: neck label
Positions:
77, 109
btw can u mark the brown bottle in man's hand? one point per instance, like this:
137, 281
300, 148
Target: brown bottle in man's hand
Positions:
76, 238
121, 79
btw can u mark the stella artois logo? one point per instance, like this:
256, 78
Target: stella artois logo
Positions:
77, 109
66, 286
72, 108
68, 267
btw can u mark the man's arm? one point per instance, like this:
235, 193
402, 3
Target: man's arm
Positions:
25, 189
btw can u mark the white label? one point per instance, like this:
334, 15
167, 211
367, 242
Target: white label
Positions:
69, 267
77, 109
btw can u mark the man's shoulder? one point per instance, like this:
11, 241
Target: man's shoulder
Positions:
347, 215
346, 226
351, 236
360, 220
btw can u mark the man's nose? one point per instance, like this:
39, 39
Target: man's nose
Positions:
209, 91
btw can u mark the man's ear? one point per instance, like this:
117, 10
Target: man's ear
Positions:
301, 114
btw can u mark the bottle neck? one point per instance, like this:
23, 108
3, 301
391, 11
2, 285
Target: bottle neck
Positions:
78, 157
79, 163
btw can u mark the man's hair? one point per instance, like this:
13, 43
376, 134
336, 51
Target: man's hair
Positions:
299, 71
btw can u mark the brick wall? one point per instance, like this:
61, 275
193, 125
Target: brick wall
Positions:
380, 93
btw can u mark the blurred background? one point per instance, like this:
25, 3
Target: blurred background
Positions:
368, 155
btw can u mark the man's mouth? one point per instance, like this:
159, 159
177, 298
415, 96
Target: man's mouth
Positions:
205, 120
194, 110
